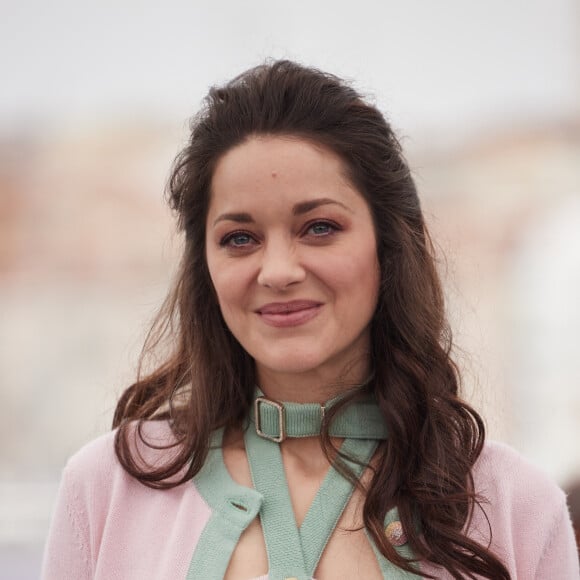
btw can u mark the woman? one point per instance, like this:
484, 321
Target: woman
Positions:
305, 421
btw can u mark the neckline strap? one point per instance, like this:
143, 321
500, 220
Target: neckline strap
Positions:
276, 421
294, 552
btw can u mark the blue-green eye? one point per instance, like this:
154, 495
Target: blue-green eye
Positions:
237, 240
321, 228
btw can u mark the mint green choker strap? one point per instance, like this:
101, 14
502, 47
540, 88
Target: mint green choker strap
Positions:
276, 421
294, 552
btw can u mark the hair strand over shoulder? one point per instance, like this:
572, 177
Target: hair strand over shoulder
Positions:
435, 438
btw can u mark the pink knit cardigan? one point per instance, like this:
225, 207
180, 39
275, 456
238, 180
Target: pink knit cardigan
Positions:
108, 526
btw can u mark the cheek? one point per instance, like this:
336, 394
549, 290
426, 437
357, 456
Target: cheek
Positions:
216, 274
229, 282
356, 274
367, 268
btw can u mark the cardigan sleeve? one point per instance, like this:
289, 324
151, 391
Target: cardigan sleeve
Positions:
560, 558
101, 510
67, 549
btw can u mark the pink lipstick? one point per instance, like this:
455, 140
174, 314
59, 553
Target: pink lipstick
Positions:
293, 313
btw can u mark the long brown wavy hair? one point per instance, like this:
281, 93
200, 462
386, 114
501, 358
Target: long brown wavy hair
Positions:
206, 379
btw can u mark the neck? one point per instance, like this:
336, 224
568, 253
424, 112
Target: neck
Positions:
316, 386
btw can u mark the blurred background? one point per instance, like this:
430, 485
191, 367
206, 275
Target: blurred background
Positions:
94, 102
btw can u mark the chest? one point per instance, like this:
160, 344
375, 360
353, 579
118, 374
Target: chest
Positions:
213, 528
330, 535
348, 553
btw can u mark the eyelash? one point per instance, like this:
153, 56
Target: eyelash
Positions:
226, 241
333, 228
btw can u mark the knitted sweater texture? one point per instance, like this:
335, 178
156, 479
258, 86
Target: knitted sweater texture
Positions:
108, 526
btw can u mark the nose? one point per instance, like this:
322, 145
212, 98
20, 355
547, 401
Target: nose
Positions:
280, 266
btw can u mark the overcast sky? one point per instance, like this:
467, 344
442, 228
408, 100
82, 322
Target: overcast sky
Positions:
433, 65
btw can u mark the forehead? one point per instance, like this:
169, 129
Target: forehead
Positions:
279, 168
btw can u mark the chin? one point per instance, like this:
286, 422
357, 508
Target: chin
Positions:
288, 365
291, 363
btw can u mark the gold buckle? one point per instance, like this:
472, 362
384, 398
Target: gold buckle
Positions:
281, 422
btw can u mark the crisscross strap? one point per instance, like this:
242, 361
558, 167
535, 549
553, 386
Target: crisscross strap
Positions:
330, 501
294, 552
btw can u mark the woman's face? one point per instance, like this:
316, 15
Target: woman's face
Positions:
291, 252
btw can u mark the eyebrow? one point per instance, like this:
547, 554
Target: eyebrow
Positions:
242, 218
298, 209
306, 206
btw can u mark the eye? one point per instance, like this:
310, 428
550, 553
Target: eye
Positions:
321, 228
237, 240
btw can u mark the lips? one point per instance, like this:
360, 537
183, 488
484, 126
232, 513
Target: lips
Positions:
287, 307
294, 313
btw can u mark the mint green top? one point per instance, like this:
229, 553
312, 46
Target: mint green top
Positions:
292, 551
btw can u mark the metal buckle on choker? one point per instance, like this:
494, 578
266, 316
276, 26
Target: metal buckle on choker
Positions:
281, 419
